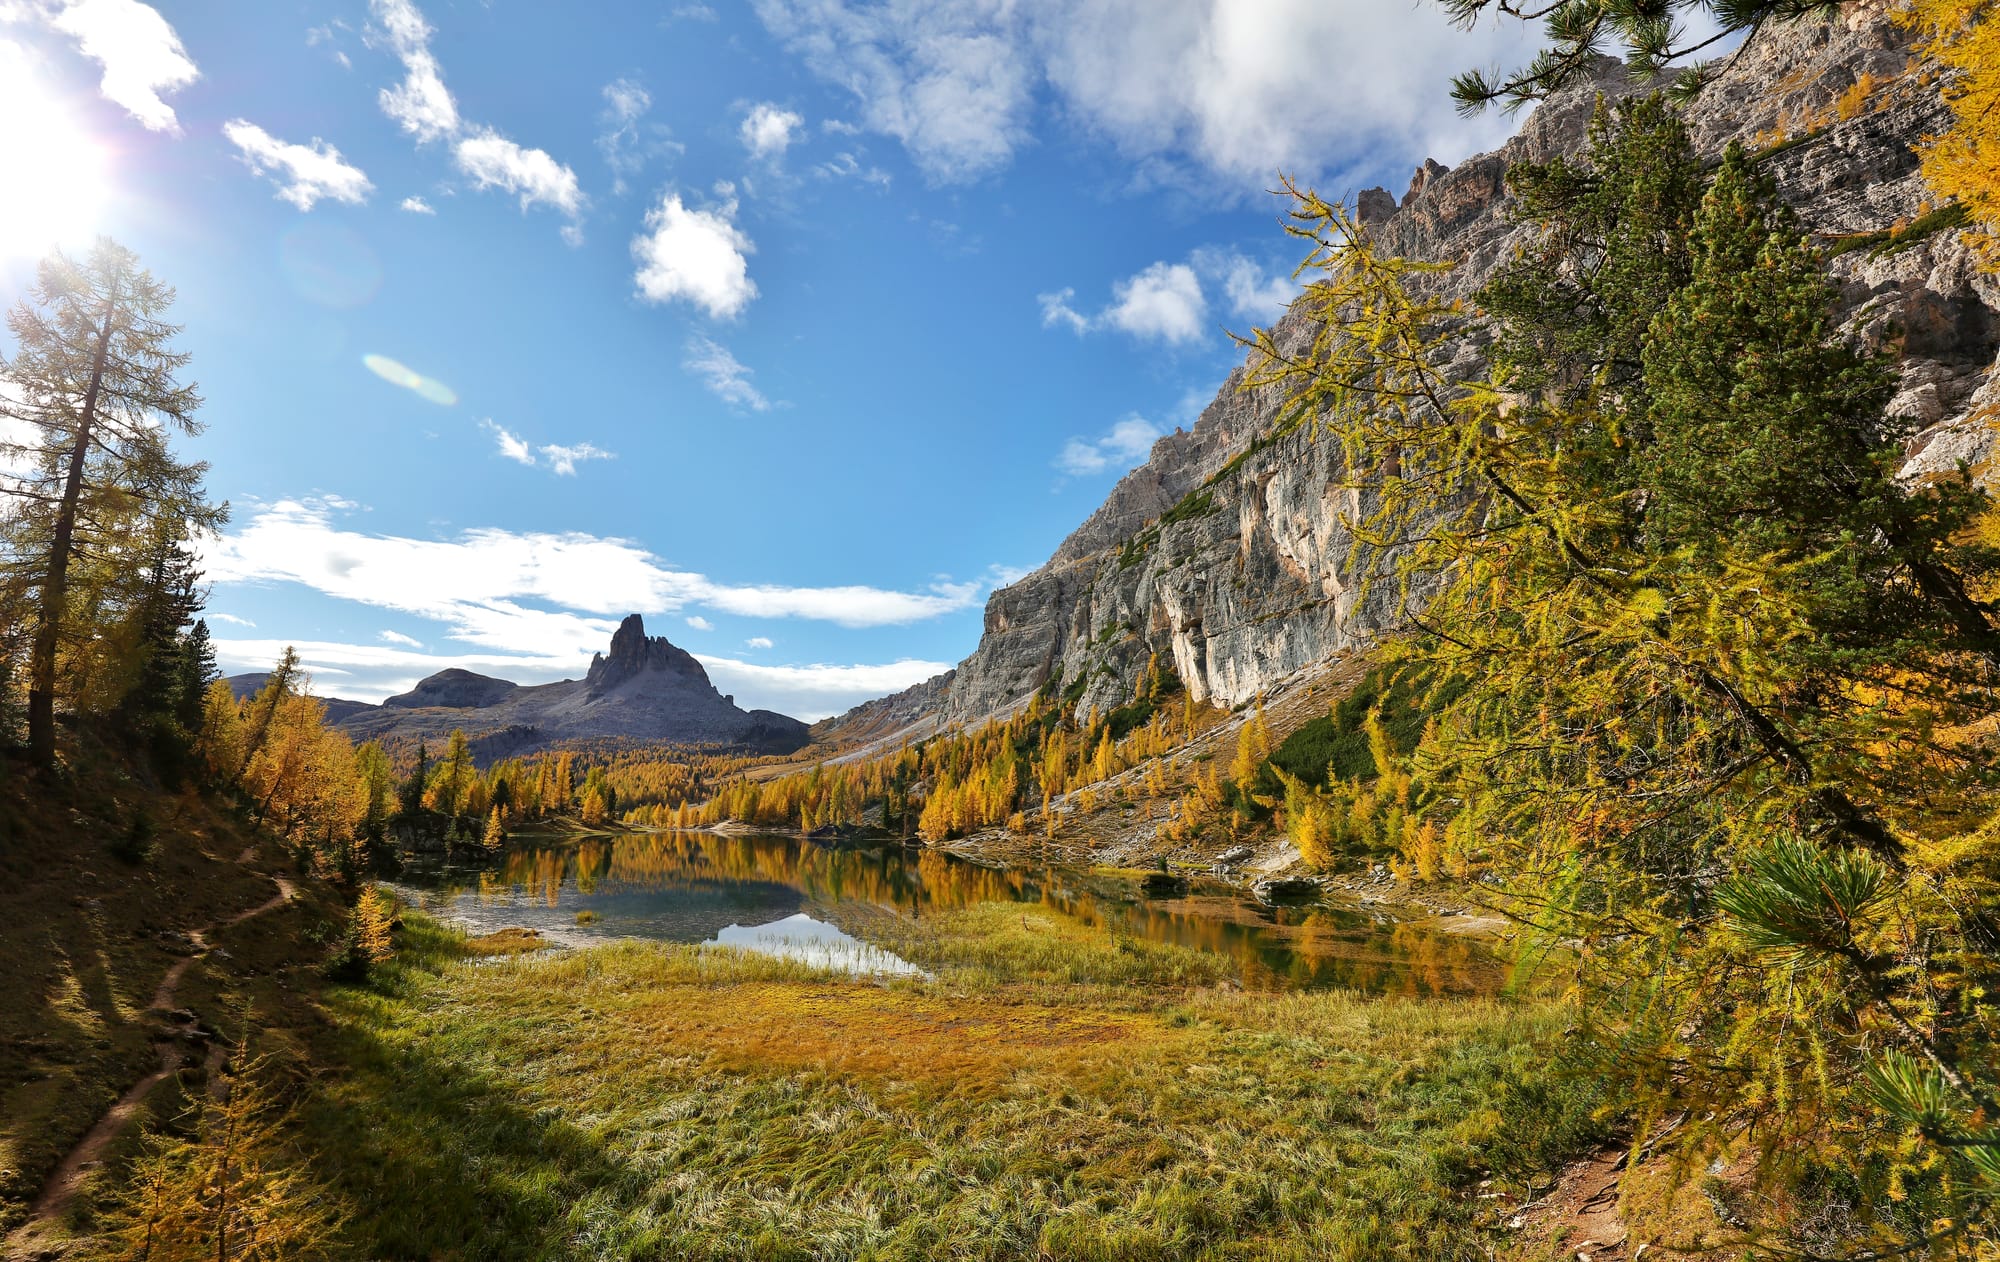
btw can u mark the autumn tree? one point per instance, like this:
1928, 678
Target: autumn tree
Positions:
233, 1186
1963, 163
94, 380
1720, 694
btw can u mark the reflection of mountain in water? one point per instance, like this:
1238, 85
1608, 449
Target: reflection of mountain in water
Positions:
687, 887
814, 942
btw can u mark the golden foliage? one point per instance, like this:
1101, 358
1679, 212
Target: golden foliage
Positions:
1963, 164
232, 1190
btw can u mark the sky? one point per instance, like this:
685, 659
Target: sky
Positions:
796, 326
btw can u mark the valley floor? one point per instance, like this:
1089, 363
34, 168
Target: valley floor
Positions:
1048, 1091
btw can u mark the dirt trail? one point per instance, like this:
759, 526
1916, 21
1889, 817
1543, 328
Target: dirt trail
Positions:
176, 1041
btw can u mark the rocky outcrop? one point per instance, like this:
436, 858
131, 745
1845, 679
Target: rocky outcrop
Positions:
1227, 552
643, 690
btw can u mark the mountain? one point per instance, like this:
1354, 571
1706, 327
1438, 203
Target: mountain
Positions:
1227, 554
643, 689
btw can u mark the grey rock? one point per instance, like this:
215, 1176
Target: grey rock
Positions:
644, 689
1228, 555
454, 689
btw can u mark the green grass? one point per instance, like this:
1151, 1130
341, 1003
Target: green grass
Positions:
1890, 241
1051, 1092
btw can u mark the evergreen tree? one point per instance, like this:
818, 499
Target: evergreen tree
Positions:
94, 377
1651, 34
413, 788
453, 776
1696, 705
1769, 436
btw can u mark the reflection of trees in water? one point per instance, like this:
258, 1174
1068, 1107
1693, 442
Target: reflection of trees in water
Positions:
1276, 949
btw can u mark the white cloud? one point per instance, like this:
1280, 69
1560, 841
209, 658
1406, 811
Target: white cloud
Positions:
845, 166
1164, 301
418, 206
1178, 86
141, 55
558, 459
700, 623
694, 13
493, 161
699, 256
626, 143
814, 692
476, 583
562, 461
951, 79
1253, 293
304, 174
397, 637
421, 105
724, 376
1169, 302
627, 99
229, 618
512, 445
768, 131
1126, 445
1057, 311
758, 642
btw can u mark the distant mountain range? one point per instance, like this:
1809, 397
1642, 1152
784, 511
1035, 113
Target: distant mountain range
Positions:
644, 690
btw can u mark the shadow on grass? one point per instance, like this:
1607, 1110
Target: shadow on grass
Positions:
431, 1158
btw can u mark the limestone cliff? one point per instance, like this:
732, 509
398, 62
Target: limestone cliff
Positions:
1226, 553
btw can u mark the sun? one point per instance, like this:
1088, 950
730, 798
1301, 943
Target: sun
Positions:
57, 182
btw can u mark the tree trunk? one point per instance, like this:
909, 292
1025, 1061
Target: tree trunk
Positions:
55, 583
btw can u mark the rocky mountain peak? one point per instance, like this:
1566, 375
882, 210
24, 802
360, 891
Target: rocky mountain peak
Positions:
634, 653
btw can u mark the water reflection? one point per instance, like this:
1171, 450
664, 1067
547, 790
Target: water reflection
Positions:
692, 887
813, 942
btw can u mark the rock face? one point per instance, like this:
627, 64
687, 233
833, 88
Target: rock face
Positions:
1226, 553
644, 689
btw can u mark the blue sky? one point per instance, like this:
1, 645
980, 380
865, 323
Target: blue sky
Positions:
796, 326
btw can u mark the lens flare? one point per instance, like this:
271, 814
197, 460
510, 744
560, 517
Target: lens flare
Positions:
54, 170
396, 374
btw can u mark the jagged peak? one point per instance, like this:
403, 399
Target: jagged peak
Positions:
633, 652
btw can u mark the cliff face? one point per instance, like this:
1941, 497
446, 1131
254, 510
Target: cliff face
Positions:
1225, 552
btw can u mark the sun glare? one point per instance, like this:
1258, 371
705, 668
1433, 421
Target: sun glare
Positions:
56, 171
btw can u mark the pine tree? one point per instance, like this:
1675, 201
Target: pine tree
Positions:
453, 776
1696, 705
1654, 38
94, 376
413, 788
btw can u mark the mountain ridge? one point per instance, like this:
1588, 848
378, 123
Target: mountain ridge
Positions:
644, 689
1226, 553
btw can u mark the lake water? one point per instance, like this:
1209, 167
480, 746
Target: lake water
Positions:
798, 898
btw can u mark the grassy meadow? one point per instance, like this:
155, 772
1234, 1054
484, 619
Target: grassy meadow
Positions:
1049, 1091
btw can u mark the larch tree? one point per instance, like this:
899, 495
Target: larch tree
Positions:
1963, 163
94, 378
1720, 708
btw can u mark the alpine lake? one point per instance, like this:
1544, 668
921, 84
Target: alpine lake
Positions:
830, 905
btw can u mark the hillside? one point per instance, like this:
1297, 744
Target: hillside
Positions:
1227, 552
